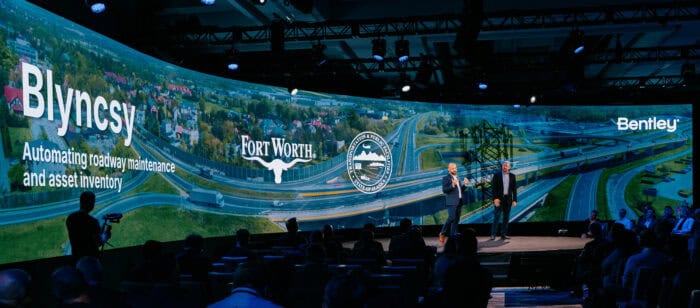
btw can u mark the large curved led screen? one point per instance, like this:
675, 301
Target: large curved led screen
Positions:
178, 151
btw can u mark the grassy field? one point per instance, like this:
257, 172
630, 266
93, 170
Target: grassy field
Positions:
156, 183
19, 136
633, 191
430, 160
34, 240
166, 223
423, 140
45, 238
556, 204
601, 194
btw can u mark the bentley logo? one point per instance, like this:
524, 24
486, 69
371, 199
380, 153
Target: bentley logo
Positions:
277, 165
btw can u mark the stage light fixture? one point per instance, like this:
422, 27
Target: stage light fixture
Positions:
405, 88
259, 2
378, 49
577, 39
232, 61
402, 50
533, 99
317, 54
293, 90
208, 2
96, 7
483, 85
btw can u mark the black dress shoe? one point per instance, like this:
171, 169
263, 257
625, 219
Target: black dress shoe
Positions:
505, 237
493, 238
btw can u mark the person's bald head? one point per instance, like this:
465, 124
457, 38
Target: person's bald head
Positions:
13, 286
452, 168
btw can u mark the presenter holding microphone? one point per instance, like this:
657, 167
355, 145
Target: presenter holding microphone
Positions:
454, 194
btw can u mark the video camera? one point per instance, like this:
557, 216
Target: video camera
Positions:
112, 217
106, 232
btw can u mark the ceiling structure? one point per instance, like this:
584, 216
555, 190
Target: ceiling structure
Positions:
634, 50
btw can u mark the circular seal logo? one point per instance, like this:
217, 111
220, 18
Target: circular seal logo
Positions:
369, 162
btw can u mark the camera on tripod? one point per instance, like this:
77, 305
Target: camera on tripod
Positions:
106, 232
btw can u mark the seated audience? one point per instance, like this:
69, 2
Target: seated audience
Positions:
593, 218
334, 249
192, 261
292, 238
345, 291
474, 291
241, 247
13, 288
647, 221
367, 247
650, 256
249, 283
623, 220
155, 267
69, 288
91, 268
685, 223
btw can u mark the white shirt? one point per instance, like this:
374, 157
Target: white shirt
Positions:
625, 222
459, 186
506, 183
683, 226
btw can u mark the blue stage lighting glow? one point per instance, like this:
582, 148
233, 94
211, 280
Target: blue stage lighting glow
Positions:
378, 58
579, 49
483, 86
98, 7
208, 2
403, 58
233, 66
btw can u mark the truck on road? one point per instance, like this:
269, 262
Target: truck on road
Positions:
206, 197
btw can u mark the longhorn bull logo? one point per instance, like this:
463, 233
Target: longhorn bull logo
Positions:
277, 165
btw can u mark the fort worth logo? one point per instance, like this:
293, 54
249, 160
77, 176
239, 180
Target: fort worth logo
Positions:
252, 150
369, 162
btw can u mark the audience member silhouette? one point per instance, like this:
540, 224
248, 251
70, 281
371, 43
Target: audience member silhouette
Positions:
241, 248
623, 220
446, 260
13, 288
70, 288
647, 221
650, 256
345, 291
399, 243
192, 261
83, 229
474, 291
684, 225
155, 266
249, 282
334, 249
593, 218
91, 268
292, 238
367, 247
624, 244
589, 269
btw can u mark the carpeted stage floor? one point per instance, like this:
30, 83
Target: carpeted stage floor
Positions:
514, 244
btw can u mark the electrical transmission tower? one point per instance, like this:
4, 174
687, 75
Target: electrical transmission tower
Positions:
485, 146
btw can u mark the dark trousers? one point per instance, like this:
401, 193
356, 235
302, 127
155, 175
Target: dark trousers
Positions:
502, 213
452, 222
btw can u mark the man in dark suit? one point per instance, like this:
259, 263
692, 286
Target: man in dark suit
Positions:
505, 196
454, 193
